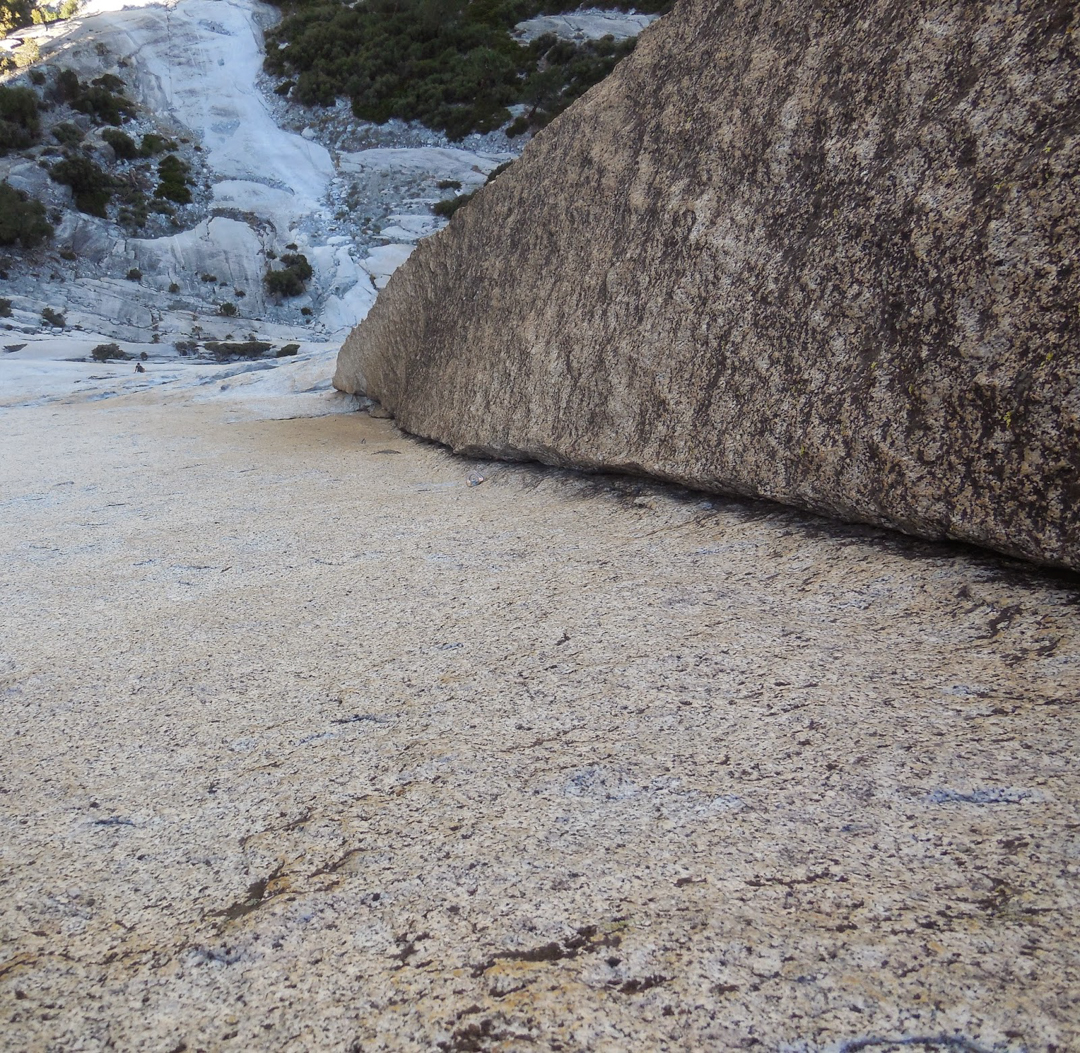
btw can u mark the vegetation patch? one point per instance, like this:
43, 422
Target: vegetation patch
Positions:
293, 279
53, 318
14, 14
451, 64
68, 134
122, 144
223, 349
20, 124
287, 350
153, 144
17, 14
22, 218
174, 182
448, 207
91, 185
97, 99
109, 353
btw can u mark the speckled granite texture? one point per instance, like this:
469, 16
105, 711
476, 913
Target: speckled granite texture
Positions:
309, 745
825, 253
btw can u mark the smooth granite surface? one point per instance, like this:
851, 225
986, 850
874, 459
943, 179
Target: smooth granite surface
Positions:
310, 745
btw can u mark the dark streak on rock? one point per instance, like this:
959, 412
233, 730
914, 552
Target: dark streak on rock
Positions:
252, 900
585, 940
636, 986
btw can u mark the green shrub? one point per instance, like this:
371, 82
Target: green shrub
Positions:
26, 54
67, 87
246, 349
5, 308
68, 254
103, 106
134, 274
228, 309
173, 287
109, 352
208, 278
287, 351
14, 14
451, 205
283, 283
123, 145
154, 144
53, 318
108, 81
173, 174
290, 281
518, 126
449, 184
43, 16
91, 186
20, 125
22, 218
298, 264
450, 64
68, 134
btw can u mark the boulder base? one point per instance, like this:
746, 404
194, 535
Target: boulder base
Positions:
820, 253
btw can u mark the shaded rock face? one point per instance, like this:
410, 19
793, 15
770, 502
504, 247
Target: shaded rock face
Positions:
821, 253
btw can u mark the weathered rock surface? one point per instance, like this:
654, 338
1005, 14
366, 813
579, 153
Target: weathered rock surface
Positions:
821, 253
313, 746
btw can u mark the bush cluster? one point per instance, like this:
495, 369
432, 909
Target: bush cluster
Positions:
451, 64
16, 14
153, 144
247, 349
96, 99
109, 352
91, 185
448, 207
122, 144
174, 182
293, 279
22, 218
103, 106
20, 125
68, 134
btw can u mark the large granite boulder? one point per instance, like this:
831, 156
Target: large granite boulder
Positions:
818, 252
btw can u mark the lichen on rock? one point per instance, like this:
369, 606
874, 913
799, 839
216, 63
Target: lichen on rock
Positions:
819, 253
